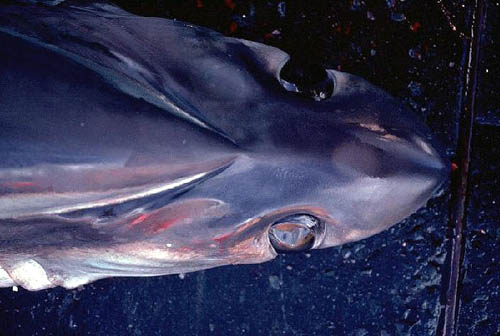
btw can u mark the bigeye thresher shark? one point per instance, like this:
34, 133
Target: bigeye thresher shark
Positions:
141, 146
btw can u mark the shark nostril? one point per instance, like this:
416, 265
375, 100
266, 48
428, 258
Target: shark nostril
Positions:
295, 233
308, 79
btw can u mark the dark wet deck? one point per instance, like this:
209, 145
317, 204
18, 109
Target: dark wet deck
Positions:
400, 282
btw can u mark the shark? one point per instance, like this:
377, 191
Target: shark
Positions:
142, 146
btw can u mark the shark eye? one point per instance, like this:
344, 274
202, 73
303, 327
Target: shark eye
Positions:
308, 79
295, 233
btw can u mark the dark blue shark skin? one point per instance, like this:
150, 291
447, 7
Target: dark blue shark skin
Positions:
135, 146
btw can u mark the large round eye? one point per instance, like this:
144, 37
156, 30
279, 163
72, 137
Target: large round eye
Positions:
295, 233
308, 79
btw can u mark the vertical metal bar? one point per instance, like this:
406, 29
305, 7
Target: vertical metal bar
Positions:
449, 311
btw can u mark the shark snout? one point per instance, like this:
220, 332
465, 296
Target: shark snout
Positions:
388, 174
395, 151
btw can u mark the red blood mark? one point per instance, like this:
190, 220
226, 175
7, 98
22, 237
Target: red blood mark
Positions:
347, 29
23, 184
232, 27
139, 219
162, 226
426, 47
18, 185
222, 237
416, 26
230, 4
199, 3
154, 221
269, 36
454, 166
161, 219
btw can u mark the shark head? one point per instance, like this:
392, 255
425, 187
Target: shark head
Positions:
316, 173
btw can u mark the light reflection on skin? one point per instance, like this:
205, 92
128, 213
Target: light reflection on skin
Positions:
190, 153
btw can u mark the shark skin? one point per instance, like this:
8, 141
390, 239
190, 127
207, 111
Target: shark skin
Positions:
141, 146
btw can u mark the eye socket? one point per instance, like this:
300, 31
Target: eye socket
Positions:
295, 233
308, 79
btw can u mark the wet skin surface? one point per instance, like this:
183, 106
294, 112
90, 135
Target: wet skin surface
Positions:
351, 289
183, 160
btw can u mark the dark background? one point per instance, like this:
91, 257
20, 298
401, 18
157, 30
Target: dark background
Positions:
390, 284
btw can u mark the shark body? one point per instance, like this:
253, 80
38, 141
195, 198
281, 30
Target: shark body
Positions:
134, 146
